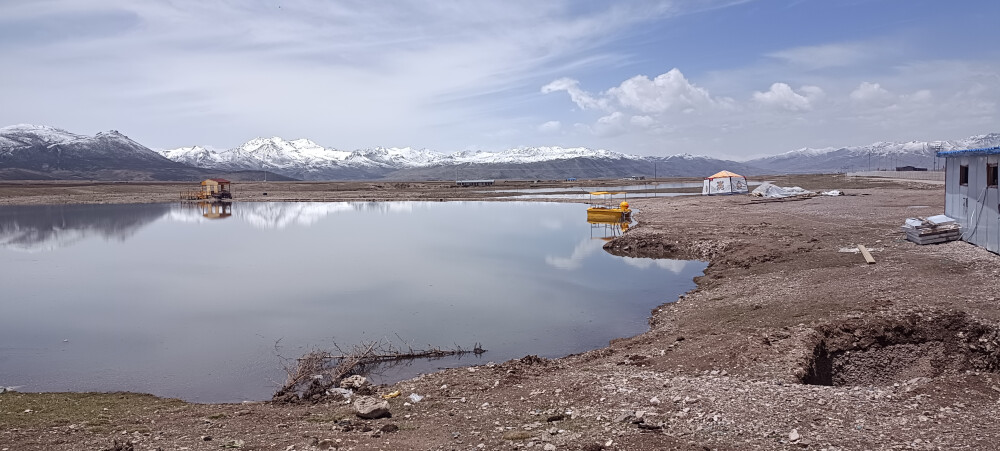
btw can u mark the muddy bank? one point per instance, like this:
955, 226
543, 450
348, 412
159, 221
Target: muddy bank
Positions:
787, 343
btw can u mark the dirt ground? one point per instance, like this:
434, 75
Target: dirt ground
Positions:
790, 341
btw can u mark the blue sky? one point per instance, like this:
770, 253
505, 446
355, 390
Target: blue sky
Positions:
732, 79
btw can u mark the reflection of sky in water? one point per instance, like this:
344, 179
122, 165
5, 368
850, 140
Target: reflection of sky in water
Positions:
157, 298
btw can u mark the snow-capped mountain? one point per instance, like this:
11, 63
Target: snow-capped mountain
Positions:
880, 155
42, 145
305, 159
43, 152
32, 151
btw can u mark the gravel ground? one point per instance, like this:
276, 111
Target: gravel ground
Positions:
790, 341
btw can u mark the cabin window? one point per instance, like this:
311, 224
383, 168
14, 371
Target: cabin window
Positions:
991, 175
963, 175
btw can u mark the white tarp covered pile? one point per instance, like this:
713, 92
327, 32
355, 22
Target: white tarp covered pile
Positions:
773, 191
935, 229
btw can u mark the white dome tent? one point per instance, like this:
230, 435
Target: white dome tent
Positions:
724, 182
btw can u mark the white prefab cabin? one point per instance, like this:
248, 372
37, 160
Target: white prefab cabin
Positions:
971, 194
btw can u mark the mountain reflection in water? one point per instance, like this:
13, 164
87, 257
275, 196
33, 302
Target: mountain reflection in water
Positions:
38, 228
164, 299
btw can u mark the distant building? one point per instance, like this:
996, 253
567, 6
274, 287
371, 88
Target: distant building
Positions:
211, 189
909, 168
635, 177
474, 182
971, 194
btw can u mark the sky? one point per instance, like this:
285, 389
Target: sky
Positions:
730, 79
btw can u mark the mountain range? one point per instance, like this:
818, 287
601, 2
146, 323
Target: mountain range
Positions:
38, 152
30, 151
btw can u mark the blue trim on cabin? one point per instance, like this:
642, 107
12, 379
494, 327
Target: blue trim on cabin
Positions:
959, 153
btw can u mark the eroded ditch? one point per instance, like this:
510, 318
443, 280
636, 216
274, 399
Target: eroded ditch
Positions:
883, 351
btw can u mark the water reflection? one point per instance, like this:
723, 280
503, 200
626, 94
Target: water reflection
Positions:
279, 215
40, 228
216, 210
142, 306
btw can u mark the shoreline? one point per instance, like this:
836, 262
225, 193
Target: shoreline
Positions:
723, 367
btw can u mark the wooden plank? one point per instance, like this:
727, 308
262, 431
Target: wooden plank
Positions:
868, 255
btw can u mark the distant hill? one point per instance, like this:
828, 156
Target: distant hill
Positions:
881, 155
38, 152
579, 167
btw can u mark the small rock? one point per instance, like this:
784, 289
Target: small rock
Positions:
325, 444
390, 428
206, 438
549, 447
794, 435
556, 417
354, 382
370, 408
651, 426
343, 393
654, 401
625, 417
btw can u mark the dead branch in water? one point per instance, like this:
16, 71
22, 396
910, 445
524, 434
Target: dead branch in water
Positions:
318, 371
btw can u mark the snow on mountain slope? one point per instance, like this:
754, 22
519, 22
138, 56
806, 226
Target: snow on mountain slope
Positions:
302, 158
303, 155
926, 148
880, 155
27, 135
44, 148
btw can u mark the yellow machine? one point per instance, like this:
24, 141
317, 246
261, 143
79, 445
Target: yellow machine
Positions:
608, 213
603, 209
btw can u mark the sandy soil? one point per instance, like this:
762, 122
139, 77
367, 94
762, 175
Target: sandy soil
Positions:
789, 342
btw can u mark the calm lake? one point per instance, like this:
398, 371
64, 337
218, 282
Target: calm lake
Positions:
181, 301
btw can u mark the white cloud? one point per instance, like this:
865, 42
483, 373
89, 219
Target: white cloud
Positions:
828, 55
580, 97
670, 91
666, 93
781, 96
550, 127
611, 125
871, 94
643, 121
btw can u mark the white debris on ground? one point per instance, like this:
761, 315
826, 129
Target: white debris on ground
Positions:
835, 192
930, 230
773, 191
